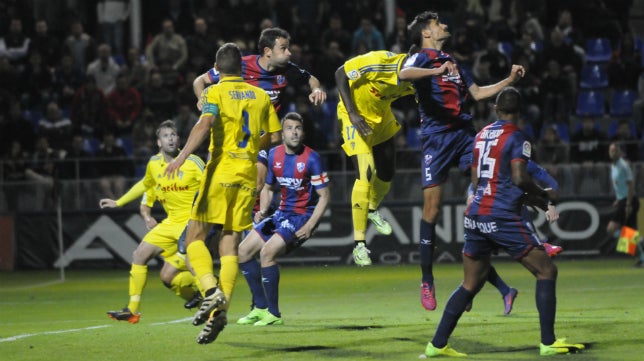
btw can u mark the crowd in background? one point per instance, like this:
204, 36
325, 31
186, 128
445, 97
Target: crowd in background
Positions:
73, 87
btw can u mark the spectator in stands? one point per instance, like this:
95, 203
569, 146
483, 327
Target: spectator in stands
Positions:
185, 120
625, 66
335, 32
14, 163
48, 46
551, 149
123, 106
15, 127
104, 69
158, 99
171, 78
15, 44
588, 143
202, 47
111, 16
625, 136
89, 109
78, 162
37, 81
167, 46
398, 40
557, 94
56, 127
366, 36
463, 49
9, 76
112, 166
565, 55
42, 171
66, 80
81, 45
136, 68
327, 63
571, 35
144, 137
497, 63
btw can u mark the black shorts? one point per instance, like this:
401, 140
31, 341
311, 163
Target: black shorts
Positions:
619, 214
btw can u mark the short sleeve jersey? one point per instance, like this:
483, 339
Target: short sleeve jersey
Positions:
273, 82
374, 83
243, 112
495, 147
621, 174
298, 176
176, 194
440, 98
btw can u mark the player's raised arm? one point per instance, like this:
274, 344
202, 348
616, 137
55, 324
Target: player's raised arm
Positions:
414, 73
197, 135
317, 96
198, 85
357, 120
488, 91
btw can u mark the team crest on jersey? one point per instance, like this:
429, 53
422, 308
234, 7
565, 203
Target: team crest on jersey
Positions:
280, 79
353, 74
300, 166
527, 149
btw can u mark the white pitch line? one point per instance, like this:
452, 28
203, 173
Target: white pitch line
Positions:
27, 335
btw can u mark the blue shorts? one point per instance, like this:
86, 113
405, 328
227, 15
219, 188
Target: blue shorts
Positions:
485, 234
216, 228
442, 150
284, 224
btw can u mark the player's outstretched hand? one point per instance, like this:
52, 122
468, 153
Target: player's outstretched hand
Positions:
173, 167
107, 203
317, 96
517, 72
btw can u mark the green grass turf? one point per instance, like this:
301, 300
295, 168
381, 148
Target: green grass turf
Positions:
330, 313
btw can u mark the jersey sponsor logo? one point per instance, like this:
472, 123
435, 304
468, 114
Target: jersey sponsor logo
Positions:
290, 183
174, 187
285, 224
353, 74
273, 94
300, 166
428, 159
280, 79
527, 149
277, 165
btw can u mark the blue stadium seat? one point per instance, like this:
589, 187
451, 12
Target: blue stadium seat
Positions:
590, 103
126, 143
598, 50
621, 103
506, 48
593, 76
612, 128
413, 138
563, 130
91, 145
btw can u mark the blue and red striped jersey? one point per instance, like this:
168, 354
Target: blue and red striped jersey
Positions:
298, 176
440, 98
273, 82
495, 147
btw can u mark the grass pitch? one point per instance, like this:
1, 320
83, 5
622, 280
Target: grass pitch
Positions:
330, 313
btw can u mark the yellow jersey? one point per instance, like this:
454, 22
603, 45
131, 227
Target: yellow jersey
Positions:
374, 83
243, 112
176, 195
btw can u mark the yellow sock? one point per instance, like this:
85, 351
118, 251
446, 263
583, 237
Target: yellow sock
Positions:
228, 274
138, 279
201, 262
182, 283
360, 208
379, 189
199, 287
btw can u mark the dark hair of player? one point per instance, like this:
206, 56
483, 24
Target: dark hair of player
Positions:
416, 27
166, 124
508, 101
268, 36
228, 59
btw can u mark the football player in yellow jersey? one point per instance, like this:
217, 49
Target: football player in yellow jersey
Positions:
235, 113
176, 196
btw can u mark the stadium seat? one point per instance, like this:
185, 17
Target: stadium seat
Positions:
563, 130
598, 50
506, 48
593, 76
91, 145
413, 138
126, 143
621, 103
590, 103
612, 128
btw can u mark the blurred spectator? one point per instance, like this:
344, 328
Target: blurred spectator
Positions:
530, 88
38, 83
42, 171
482, 114
629, 141
104, 69
587, 145
366, 38
144, 136
202, 47
551, 149
136, 68
463, 49
171, 78
330, 60
55, 127
89, 109
625, 66
557, 94
9, 76
494, 61
167, 46
159, 100
78, 162
571, 35
112, 167
335, 32
14, 126
15, 44
48, 46
15, 162
185, 120
80, 45
66, 80
111, 16
565, 55
180, 13
123, 106
398, 41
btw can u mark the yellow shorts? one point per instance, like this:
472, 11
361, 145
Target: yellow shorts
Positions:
382, 131
177, 261
226, 198
165, 235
